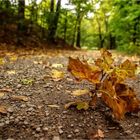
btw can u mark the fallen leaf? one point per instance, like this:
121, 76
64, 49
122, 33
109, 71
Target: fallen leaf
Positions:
27, 81
57, 65
20, 98
56, 74
53, 106
79, 105
3, 110
81, 70
80, 92
10, 72
99, 134
6, 90
1, 94
82, 105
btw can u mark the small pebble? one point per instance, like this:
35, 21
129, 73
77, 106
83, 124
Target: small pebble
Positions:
72, 125
76, 130
128, 132
38, 129
7, 122
136, 124
69, 136
56, 138
10, 139
1, 124
10, 110
23, 106
61, 131
45, 128
25, 122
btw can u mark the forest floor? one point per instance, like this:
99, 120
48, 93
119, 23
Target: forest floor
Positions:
32, 101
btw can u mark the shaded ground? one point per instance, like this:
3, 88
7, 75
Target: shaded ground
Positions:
29, 75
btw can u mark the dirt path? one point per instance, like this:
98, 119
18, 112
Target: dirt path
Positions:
34, 118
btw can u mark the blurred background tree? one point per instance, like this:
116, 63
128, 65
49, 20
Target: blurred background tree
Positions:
89, 24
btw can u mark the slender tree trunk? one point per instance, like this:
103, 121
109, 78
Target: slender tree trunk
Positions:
78, 40
65, 27
100, 34
21, 11
74, 34
53, 23
112, 41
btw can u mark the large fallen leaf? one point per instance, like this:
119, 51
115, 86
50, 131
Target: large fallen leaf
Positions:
3, 110
80, 92
20, 98
82, 70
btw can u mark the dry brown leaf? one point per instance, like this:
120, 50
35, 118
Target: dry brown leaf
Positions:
99, 134
53, 106
3, 110
80, 92
83, 71
20, 98
6, 90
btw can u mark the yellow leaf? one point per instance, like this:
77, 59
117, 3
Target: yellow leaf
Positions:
11, 72
27, 81
57, 65
80, 92
1, 94
20, 98
57, 74
79, 105
82, 105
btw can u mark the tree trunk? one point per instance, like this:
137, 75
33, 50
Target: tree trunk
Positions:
112, 41
100, 35
53, 23
65, 27
78, 40
21, 11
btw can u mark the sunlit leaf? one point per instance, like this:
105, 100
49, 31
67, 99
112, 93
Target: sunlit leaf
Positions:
80, 92
1, 94
83, 71
11, 72
27, 81
56, 74
53, 106
20, 98
57, 65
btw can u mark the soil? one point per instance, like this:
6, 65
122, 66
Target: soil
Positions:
43, 116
